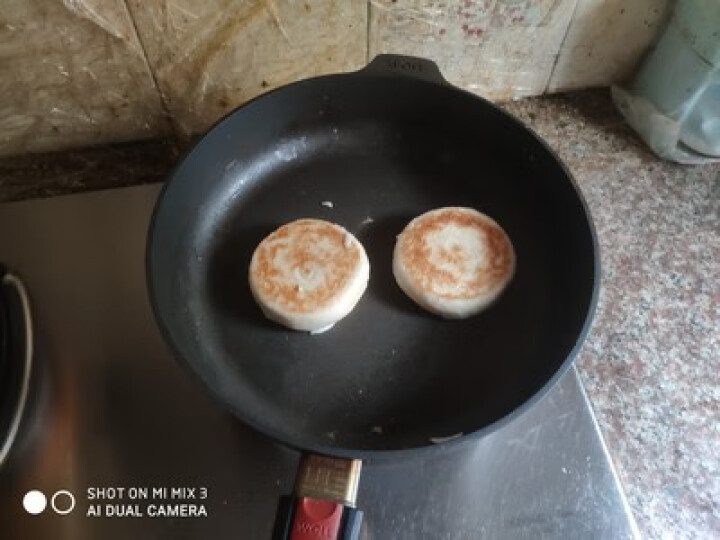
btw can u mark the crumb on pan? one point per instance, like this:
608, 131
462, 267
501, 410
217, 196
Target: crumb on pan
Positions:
327, 204
321, 330
440, 440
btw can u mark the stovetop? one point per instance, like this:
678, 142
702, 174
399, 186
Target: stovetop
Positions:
115, 429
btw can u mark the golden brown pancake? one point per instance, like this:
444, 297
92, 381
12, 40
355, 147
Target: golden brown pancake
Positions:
453, 261
308, 274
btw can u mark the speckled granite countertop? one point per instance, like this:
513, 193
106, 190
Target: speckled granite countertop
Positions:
651, 363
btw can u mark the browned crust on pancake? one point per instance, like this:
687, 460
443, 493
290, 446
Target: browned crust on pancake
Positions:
299, 240
415, 252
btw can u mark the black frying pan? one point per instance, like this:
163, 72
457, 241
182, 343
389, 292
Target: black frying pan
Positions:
388, 142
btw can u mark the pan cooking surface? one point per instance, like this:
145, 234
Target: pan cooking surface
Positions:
390, 376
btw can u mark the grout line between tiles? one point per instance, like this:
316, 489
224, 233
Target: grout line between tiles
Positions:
560, 47
165, 107
367, 31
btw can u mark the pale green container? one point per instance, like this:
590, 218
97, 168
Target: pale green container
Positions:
681, 80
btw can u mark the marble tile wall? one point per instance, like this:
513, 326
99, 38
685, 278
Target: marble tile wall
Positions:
498, 49
73, 73
210, 56
86, 72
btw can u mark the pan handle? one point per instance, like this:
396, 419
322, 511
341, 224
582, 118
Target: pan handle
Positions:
404, 66
322, 506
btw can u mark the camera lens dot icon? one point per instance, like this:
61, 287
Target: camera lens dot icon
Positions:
62, 502
34, 502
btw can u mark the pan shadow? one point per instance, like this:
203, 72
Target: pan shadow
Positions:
227, 275
379, 238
